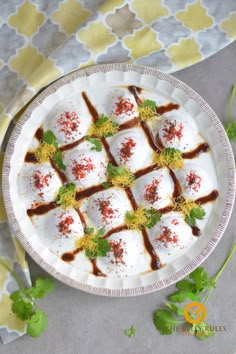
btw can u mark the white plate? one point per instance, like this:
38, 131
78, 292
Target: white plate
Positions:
105, 76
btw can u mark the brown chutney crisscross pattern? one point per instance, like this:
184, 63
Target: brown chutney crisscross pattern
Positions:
155, 261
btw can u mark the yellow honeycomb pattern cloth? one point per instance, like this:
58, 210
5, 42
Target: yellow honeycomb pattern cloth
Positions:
41, 40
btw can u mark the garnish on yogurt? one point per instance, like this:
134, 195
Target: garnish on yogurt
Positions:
190, 209
48, 149
169, 157
92, 243
118, 176
66, 196
147, 110
97, 144
103, 127
142, 217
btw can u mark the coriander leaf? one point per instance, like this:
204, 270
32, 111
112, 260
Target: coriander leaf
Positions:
22, 308
153, 217
16, 295
102, 249
185, 285
230, 127
101, 232
58, 160
200, 277
202, 330
190, 220
231, 131
171, 152
37, 323
101, 120
96, 142
178, 310
42, 287
88, 230
130, 332
194, 297
130, 216
179, 296
149, 103
164, 322
114, 171
198, 213
50, 138
106, 184
67, 189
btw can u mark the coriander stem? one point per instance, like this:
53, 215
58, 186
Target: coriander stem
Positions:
214, 279
231, 102
17, 279
231, 252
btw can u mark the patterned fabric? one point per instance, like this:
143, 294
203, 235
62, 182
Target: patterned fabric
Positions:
41, 40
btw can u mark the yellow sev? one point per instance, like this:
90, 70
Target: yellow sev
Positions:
137, 218
146, 113
171, 160
123, 180
105, 128
69, 201
185, 206
45, 152
87, 243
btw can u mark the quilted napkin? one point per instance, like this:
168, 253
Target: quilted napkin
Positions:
41, 40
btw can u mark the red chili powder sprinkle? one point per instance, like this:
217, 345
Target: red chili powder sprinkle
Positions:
172, 130
41, 180
106, 210
64, 225
174, 222
81, 170
69, 123
127, 149
193, 181
151, 192
167, 236
118, 252
123, 105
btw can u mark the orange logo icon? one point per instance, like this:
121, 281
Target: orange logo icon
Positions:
198, 309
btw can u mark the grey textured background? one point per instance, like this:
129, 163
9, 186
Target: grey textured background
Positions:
80, 323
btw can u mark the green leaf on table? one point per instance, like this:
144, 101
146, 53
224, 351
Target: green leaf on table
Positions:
179, 296
185, 285
37, 323
202, 331
42, 287
130, 332
164, 322
22, 308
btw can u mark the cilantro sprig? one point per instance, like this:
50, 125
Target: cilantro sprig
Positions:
195, 213
96, 142
118, 176
49, 139
197, 285
93, 244
24, 305
130, 332
148, 103
230, 127
142, 217
103, 127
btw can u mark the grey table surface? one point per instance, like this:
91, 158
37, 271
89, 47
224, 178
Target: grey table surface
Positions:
81, 323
